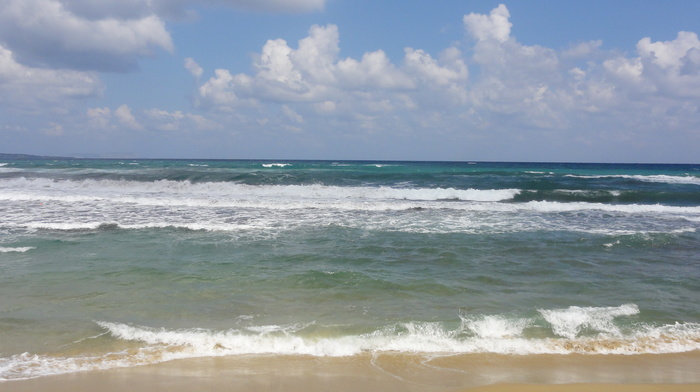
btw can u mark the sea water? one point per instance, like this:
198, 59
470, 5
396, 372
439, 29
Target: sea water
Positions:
121, 263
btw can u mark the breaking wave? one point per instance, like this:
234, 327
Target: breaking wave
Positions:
573, 330
85, 189
19, 249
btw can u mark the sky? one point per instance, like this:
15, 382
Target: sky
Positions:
538, 80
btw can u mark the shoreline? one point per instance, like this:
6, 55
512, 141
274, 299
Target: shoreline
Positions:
389, 373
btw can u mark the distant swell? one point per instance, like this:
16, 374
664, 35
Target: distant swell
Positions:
661, 178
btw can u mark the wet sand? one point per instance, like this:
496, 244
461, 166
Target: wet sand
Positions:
389, 373
589, 388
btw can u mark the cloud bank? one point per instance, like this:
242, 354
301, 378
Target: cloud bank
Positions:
106, 35
34, 89
492, 84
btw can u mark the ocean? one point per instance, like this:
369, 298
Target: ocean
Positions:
110, 264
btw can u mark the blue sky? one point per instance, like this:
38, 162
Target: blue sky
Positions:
603, 81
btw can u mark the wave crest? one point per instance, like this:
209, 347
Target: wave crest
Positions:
573, 330
23, 188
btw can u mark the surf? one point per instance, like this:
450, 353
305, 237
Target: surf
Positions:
565, 331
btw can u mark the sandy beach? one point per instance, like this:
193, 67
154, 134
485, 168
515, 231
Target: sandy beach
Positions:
488, 373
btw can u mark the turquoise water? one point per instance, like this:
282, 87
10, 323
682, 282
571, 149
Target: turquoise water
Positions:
108, 263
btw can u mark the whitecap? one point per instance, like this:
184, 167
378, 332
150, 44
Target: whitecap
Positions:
21, 249
571, 321
276, 164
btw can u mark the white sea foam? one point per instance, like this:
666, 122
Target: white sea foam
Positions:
267, 216
380, 165
22, 249
611, 244
26, 366
230, 207
68, 226
551, 206
276, 164
589, 330
217, 194
178, 189
275, 199
4, 169
495, 327
570, 322
573, 330
575, 327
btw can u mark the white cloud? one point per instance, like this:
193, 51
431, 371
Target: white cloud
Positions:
446, 79
489, 89
582, 93
177, 121
517, 83
46, 32
313, 73
494, 26
317, 54
430, 71
292, 115
122, 118
123, 114
628, 71
193, 67
283, 74
668, 54
373, 71
275, 64
166, 121
99, 117
514, 78
671, 67
32, 89
219, 91
105, 35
